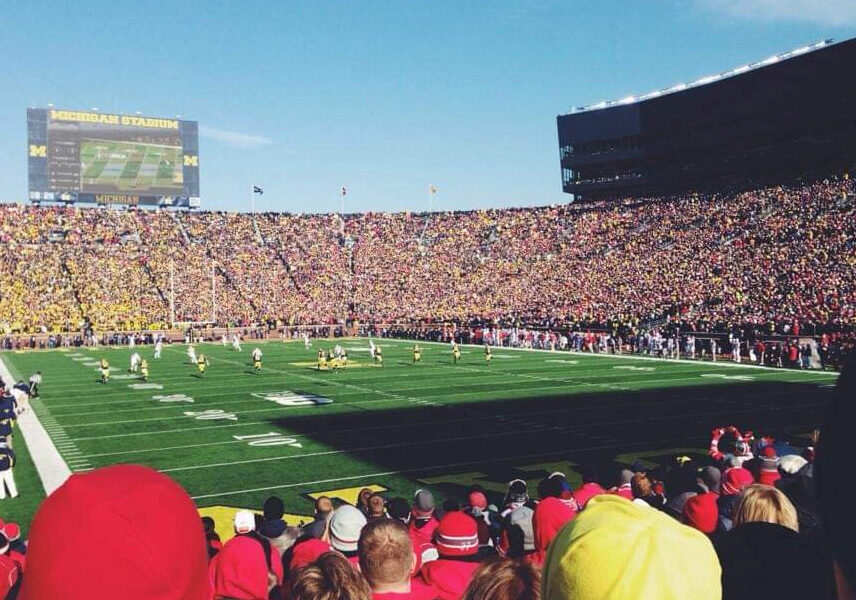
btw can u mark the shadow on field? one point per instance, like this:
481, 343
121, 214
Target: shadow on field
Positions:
500, 440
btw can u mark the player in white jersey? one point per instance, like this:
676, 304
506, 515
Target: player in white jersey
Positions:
224, 340
191, 353
338, 351
135, 363
158, 347
735, 349
236, 343
306, 343
371, 348
132, 341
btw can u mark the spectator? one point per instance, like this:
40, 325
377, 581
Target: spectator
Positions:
642, 489
833, 461
345, 526
504, 579
423, 522
248, 567
388, 562
736, 479
212, 538
766, 504
17, 547
549, 517
766, 560
700, 511
377, 507
622, 486
274, 528
135, 530
518, 536
330, 577
458, 546
616, 549
10, 570
590, 486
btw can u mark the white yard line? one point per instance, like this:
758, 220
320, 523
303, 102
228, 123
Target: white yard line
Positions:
52, 469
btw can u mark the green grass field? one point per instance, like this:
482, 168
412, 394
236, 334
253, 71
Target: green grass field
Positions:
129, 166
235, 437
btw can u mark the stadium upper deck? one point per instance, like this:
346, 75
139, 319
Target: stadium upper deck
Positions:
786, 116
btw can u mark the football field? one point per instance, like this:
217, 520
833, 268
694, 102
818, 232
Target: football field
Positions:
129, 166
234, 437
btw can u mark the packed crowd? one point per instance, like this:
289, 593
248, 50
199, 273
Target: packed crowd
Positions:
758, 518
775, 260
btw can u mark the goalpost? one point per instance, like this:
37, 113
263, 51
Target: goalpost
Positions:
202, 310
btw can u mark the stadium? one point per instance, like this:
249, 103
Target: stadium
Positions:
645, 391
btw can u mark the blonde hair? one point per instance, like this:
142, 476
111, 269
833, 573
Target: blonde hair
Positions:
765, 503
386, 552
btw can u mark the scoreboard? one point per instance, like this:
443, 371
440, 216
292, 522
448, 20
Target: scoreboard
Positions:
87, 156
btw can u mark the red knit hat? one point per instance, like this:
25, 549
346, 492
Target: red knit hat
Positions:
307, 552
736, 478
136, 534
457, 535
478, 500
11, 531
700, 511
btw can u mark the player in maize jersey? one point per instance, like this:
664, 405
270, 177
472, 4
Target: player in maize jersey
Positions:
105, 370
456, 352
144, 369
378, 356
322, 360
488, 355
257, 360
201, 364
417, 354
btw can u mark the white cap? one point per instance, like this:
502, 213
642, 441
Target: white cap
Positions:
245, 522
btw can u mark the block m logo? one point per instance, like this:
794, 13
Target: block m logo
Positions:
38, 151
191, 160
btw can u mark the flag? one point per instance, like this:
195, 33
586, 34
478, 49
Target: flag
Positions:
258, 190
432, 189
344, 191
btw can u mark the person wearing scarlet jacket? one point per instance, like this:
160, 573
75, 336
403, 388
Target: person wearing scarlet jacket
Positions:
17, 548
388, 562
590, 487
137, 535
248, 567
551, 514
766, 466
423, 521
10, 573
622, 487
458, 544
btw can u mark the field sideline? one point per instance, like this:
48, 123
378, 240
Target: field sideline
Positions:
234, 437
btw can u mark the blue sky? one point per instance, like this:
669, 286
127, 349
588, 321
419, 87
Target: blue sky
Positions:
384, 97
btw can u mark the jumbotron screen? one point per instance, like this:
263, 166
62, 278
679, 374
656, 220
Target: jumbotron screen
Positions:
88, 156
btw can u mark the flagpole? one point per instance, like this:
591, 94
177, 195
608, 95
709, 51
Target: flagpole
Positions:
252, 200
430, 199
342, 201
